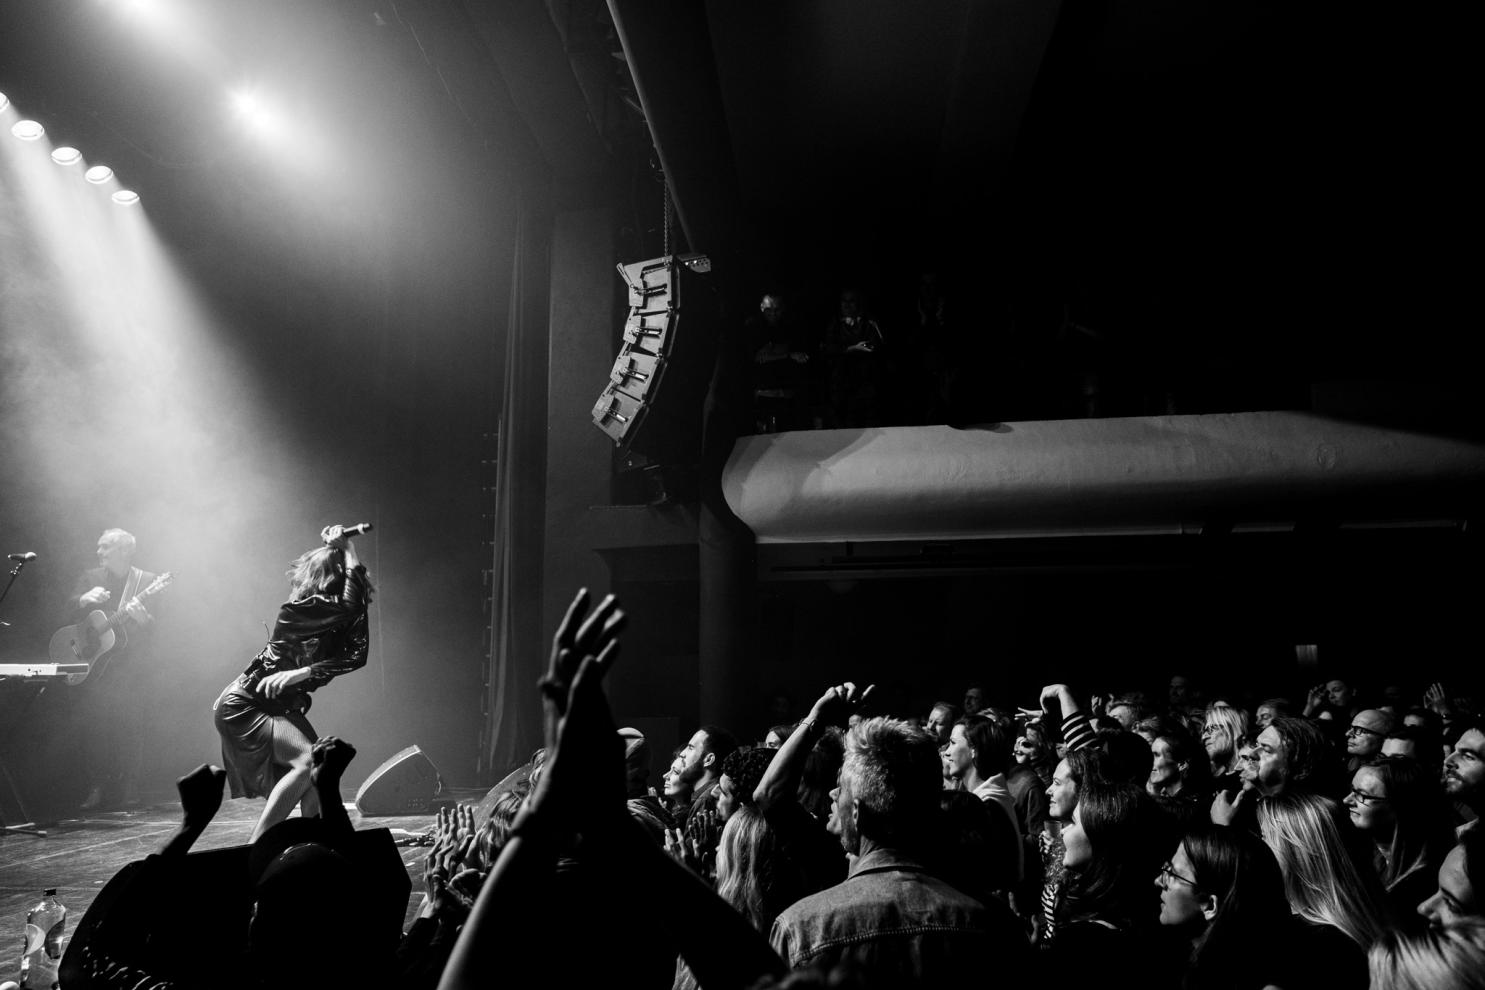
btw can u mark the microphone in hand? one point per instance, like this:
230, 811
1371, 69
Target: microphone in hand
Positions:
346, 532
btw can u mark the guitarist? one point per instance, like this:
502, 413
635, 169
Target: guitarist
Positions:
115, 699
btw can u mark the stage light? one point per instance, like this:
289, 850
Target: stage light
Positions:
126, 197
245, 102
66, 156
4, 101
98, 174
28, 130
256, 114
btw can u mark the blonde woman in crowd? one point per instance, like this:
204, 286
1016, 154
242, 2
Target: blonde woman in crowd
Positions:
1222, 733
1338, 900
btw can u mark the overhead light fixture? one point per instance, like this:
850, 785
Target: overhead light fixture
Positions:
98, 174
126, 197
66, 156
28, 130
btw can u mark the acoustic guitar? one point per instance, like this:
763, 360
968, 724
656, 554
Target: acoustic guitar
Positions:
90, 640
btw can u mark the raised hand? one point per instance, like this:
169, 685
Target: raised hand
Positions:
201, 794
582, 779
1437, 699
839, 703
330, 756
579, 635
1315, 700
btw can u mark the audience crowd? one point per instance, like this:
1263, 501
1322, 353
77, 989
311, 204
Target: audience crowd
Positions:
1181, 841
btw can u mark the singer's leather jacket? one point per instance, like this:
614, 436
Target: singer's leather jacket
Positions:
325, 633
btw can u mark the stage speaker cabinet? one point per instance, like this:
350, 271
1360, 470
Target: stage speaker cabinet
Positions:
653, 402
404, 785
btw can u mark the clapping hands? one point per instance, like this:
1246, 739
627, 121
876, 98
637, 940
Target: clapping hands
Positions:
450, 879
695, 843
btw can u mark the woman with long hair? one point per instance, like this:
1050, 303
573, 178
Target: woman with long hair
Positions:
1223, 890
1399, 805
1339, 902
320, 634
1222, 733
1114, 844
755, 874
1076, 767
1035, 750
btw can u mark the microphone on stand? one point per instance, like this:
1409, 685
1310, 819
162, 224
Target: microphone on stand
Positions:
31, 555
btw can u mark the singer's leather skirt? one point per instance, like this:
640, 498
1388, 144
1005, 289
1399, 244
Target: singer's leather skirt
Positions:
248, 724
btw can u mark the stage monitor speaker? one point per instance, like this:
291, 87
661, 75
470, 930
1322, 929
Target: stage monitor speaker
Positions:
404, 785
657, 388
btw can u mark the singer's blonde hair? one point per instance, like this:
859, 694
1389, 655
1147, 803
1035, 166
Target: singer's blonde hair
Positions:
316, 572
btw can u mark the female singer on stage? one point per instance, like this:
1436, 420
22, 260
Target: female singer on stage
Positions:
320, 634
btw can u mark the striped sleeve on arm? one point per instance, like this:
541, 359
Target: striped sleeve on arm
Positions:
1077, 733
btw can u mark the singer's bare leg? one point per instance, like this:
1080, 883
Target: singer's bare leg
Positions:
289, 746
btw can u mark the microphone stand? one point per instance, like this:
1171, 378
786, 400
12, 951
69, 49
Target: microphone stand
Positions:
28, 826
15, 572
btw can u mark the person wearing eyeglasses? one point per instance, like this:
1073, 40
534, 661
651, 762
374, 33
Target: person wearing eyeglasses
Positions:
1398, 805
1222, 731
1223, 891
1365, 735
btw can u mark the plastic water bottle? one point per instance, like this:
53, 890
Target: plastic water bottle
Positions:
42, 953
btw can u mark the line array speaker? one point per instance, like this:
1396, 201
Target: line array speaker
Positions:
653, 401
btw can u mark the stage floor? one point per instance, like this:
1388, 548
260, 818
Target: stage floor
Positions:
78, 856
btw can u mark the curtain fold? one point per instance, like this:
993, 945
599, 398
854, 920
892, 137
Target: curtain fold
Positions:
512, 715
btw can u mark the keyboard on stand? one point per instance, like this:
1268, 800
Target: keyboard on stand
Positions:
41, 671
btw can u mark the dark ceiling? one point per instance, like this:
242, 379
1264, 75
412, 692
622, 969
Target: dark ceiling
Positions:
1258, 186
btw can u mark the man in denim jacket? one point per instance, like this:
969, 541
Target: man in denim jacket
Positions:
892, 920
